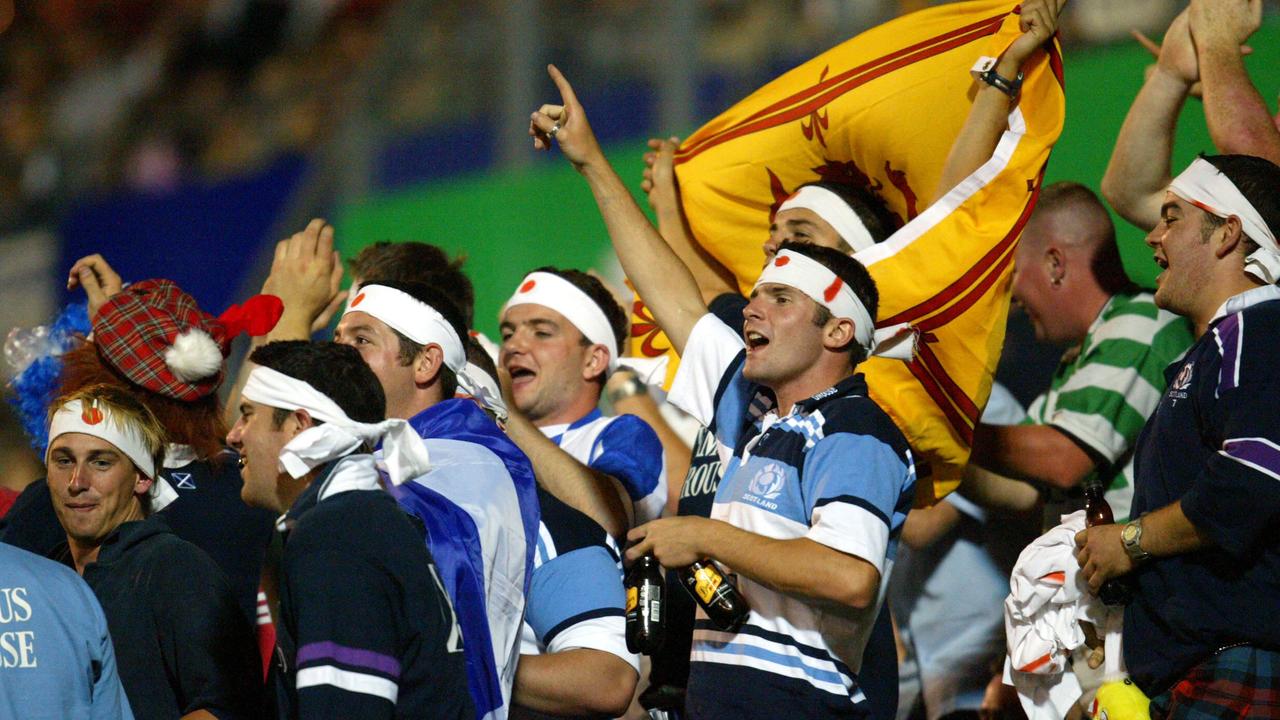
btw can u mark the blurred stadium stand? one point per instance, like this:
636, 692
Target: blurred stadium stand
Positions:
183, 137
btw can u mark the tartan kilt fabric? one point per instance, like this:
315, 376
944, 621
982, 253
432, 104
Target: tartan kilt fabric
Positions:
1239, 682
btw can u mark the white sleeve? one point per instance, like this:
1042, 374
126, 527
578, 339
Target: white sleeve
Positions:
608, 634
708, 355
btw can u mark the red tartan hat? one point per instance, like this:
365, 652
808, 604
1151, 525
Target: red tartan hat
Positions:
158, 337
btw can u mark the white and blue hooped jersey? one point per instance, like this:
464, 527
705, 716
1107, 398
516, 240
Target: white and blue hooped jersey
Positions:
835, 470
623, 446
576, 599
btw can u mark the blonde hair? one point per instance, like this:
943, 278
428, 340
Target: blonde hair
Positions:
123, 410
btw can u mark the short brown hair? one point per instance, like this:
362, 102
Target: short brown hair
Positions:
417, 262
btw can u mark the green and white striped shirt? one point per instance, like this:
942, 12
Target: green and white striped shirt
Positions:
1104, 390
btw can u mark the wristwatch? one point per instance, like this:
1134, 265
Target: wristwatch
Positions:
1131, 537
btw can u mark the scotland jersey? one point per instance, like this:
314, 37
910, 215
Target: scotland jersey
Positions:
836, 471
576, 599
479, 504
623, 446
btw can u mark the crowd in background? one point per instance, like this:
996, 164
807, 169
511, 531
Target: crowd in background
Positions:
415, 520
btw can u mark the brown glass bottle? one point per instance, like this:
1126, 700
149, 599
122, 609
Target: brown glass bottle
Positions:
1097, 511
716, 594
646, 606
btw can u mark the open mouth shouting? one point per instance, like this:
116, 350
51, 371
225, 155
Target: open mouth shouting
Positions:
1161, 261
520, 375
755, 340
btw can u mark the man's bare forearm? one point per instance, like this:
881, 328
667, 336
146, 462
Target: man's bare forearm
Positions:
1167, 531
574, 682
712, 278
1238, 118
1138, 171
1032, 452
599, 496
994, 491
798, 566
976, 142
665, 284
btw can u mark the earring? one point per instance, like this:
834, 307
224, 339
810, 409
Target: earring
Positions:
1057, 281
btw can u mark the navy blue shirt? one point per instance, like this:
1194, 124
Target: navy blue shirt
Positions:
366, 628
1213, 443
181, 642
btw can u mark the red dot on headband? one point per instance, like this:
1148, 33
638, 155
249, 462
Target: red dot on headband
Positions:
91, 415
830, 293
359, 299
528, 286
781, 260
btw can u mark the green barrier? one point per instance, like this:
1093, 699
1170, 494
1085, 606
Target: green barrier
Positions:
507, 223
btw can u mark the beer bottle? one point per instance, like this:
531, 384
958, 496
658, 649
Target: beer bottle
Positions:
646, 598
717, 594
1097, 511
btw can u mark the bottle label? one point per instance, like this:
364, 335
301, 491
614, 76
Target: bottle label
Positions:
707, 582
655, 611
632, 599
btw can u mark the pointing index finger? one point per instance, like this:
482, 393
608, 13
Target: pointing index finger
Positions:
566, 90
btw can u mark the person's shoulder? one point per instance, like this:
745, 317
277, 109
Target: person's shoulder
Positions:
628, 428
1130, 322
22, 565
175, 553
354, 520
1135, 315
1247, 342
1264, 316
860, 415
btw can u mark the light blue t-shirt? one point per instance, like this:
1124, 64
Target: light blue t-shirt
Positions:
56, 657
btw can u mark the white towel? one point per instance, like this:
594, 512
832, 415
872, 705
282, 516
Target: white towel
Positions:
1047, 599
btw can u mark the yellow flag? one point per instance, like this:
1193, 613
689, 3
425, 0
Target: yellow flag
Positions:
881, 111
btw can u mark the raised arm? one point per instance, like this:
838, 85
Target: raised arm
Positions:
1238, 118
659, 184
989, 115
306, 274
599, 496
657, 273
1139, 172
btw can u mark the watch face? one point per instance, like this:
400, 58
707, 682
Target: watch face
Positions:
1129, 534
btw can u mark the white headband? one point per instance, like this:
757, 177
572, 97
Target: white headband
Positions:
1206, 187
553, 291
825, 288
100, 422
835, 211
412, 318
403, 451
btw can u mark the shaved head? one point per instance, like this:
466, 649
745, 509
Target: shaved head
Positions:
1073, 215
1070, 216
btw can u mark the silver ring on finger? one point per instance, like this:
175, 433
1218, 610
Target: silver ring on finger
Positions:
555, 128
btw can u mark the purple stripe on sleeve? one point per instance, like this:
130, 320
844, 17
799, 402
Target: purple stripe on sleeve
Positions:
353, 657
1258, 453
1228, 334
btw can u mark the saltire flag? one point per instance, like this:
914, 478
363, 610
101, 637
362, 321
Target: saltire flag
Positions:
881, 111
